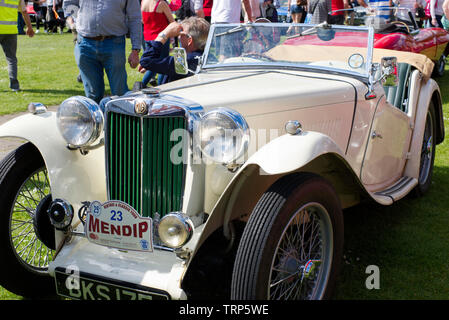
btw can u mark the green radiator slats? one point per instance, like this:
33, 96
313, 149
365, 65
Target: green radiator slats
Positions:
141, 172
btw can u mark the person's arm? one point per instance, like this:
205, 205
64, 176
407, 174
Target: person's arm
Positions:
151, 58
167, 11
432, 13
247, 7
446, 8
26, 18
198, 8
362, 3
134, 18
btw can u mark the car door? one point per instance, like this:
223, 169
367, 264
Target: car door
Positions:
387, 146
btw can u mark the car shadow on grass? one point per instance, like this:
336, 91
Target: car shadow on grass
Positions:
407, 241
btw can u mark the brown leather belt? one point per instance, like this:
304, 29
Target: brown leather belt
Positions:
100, 38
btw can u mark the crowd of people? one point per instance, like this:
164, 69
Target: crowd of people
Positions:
101, 27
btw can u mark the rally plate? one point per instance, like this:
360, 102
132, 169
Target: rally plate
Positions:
85, 286
116, 224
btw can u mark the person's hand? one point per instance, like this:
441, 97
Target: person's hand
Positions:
173, 30
133, 59
30, 32
142, 69
434, 22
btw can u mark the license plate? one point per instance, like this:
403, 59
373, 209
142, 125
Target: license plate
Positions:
83, 286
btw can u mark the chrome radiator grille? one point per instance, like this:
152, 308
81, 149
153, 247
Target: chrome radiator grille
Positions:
139, 169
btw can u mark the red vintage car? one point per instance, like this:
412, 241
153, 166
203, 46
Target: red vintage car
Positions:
397, 34
431, 42
402, 33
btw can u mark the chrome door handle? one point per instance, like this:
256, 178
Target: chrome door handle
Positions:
376, 135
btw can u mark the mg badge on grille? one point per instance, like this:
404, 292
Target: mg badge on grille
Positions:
140, 107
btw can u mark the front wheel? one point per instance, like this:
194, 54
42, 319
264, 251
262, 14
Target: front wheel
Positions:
24, 258
292, 244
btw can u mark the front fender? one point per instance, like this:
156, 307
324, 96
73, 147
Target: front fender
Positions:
308, 151
73, 177
290, 152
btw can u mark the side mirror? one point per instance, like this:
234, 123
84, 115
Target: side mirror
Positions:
389, 71
180, 57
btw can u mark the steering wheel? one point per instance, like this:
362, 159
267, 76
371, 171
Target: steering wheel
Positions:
402, 23
262, 20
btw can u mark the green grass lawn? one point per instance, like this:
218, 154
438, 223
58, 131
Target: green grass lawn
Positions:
408, 241
47, 72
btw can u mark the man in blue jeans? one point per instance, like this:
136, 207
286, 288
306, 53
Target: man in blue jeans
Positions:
102, 26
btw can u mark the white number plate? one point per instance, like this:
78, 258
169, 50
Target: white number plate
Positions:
116, 224
84, 286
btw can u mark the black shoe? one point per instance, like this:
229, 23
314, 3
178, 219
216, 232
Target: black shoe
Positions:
153, 82
79, 79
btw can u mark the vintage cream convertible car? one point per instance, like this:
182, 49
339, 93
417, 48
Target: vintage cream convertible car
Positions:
226, 184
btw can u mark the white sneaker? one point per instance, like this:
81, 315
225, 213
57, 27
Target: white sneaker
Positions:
37, 31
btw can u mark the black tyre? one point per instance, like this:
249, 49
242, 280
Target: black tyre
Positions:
24, 258
292, 244
427, 154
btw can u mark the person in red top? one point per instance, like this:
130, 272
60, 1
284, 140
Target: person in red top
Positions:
156, 16
207, 9
339, 17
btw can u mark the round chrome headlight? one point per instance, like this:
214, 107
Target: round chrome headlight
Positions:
175, 229
80, 121
223, 135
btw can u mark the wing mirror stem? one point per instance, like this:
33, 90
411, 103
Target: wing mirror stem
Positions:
388, 76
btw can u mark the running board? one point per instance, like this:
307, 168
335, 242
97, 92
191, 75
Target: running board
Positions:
399, 190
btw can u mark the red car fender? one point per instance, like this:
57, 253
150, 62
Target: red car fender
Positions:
395, 41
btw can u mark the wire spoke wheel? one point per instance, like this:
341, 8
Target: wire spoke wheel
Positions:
292, 245
303, 256
25, 243
24, 194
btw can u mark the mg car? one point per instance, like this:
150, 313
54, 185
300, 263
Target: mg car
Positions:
229, 183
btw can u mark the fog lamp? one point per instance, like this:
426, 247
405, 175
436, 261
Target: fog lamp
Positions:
60, 213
